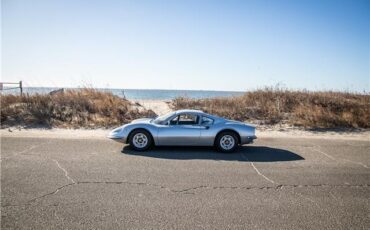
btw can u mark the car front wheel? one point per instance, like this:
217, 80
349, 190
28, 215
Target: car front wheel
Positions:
227, 142
140, 140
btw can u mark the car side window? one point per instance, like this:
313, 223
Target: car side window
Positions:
174, 120
206, 121
188, 119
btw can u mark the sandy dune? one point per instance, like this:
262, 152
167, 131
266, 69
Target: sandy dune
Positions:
160, 107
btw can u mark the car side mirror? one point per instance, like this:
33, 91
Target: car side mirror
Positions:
206, 126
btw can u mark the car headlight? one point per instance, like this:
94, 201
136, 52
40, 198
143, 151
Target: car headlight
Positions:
116, 130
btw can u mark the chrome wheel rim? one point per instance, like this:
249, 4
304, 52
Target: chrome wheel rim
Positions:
140, 140
227, 142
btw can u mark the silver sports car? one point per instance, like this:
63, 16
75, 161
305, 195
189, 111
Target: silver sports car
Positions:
185, 127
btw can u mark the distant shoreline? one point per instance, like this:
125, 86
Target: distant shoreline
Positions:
140, 94
98, 88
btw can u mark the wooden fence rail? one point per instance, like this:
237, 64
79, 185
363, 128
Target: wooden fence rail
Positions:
11, 83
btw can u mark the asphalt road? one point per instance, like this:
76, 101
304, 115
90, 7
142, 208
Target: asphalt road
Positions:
276, 183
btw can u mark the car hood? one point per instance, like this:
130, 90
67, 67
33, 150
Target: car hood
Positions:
141, 121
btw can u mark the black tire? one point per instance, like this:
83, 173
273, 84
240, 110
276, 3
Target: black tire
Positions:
231, 136
135, 137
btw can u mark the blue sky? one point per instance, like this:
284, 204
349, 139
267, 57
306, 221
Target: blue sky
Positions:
208, 45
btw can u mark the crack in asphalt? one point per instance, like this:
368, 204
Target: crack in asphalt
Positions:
64, 170
187, 190
190, 190
258, 172
316, 148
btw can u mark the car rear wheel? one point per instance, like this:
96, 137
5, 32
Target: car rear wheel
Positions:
140, 140
226, 142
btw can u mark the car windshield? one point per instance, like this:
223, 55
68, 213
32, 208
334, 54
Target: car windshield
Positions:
161, 119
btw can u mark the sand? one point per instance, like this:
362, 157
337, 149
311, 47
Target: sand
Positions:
160, 107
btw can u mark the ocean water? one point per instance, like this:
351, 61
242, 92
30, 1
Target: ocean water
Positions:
157, 94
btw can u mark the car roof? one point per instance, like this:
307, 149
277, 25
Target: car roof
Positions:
189, 111
199, 112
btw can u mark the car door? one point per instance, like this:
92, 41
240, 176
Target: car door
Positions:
184, 129
207, 131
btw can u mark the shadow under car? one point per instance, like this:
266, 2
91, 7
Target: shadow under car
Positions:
244, 153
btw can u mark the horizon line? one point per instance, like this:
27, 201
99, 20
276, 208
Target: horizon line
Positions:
215, 90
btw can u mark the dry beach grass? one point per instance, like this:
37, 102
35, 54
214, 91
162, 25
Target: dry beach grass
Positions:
91, 108
298, 108
88, 108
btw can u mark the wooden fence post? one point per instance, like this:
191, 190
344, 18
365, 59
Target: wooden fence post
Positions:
20, 86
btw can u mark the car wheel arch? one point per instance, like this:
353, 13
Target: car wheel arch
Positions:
227, 130
137, 129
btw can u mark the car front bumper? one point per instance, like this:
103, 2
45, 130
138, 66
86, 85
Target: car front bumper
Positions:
118, 135
118, 139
